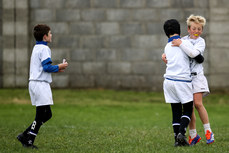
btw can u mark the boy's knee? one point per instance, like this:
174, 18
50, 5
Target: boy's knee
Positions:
188, 108
50, 116
198, 105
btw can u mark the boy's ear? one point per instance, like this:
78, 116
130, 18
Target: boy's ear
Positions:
44, 37
188, 28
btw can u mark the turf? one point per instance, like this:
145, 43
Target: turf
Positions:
97, 121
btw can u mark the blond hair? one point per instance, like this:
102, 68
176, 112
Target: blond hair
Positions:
196, 19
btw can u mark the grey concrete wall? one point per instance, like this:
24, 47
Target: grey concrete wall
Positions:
218, 44
109, 43
1, 73
15, 15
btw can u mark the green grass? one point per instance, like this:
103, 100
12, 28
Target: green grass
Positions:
101, 121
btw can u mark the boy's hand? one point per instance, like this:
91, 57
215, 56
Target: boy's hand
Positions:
61, 70
176, 42
63, 66
163, 57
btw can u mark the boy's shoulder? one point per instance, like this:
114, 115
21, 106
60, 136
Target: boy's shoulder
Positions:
185, 37
198, 40
41, 47
201, 39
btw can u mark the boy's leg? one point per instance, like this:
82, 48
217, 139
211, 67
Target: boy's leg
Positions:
176, 112
43, 114
192, 125
198, 98
47, 114
200, 107
185, 119
193, 136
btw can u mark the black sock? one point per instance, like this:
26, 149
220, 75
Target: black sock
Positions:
43, 114
176, 131
26, 132
35, 126
31, 139
184, 124
176, 112
186, 117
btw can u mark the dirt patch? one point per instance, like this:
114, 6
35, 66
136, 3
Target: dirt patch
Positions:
20, 101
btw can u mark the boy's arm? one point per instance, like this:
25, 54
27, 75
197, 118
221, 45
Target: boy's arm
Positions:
189, 49
199, 58
48, 67
192, 52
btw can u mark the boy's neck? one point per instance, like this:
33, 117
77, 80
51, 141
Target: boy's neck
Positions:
173, 35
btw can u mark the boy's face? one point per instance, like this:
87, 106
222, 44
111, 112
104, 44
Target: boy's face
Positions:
195, 30
48, 38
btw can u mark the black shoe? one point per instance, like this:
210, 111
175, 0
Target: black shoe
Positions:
181, 139
176, 144
25, 142
22, 138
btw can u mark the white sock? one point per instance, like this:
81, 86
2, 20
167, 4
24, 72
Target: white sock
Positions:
192, 133
207, 127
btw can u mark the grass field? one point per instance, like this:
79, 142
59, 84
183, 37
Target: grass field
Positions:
104, 121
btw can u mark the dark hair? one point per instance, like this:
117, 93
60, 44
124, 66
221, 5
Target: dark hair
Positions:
171, 27
39, 31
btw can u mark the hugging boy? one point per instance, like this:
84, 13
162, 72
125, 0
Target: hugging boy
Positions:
177, 84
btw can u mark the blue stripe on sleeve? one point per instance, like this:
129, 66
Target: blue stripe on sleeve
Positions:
48, 67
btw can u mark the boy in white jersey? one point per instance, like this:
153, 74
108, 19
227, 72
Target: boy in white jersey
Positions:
177, 84
39, 83
199, 81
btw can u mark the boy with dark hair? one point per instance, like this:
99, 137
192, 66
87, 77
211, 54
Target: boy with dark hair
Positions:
39, 83
177, 84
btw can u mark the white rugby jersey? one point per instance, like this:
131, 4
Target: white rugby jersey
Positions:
199, 45
40, 53
178, 63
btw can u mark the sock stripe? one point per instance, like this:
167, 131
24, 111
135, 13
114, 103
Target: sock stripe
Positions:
174, 124
33, 133
185, 116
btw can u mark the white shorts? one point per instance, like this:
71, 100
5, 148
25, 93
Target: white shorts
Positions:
200, 84
40, 93
177, 91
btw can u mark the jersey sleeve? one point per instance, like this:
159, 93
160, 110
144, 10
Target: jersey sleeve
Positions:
200, 46
189, 49
48, 67
47, 62
44, 54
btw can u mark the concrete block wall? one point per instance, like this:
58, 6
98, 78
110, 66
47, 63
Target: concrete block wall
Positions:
109, 43
1, 47
219, 38
14, 43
